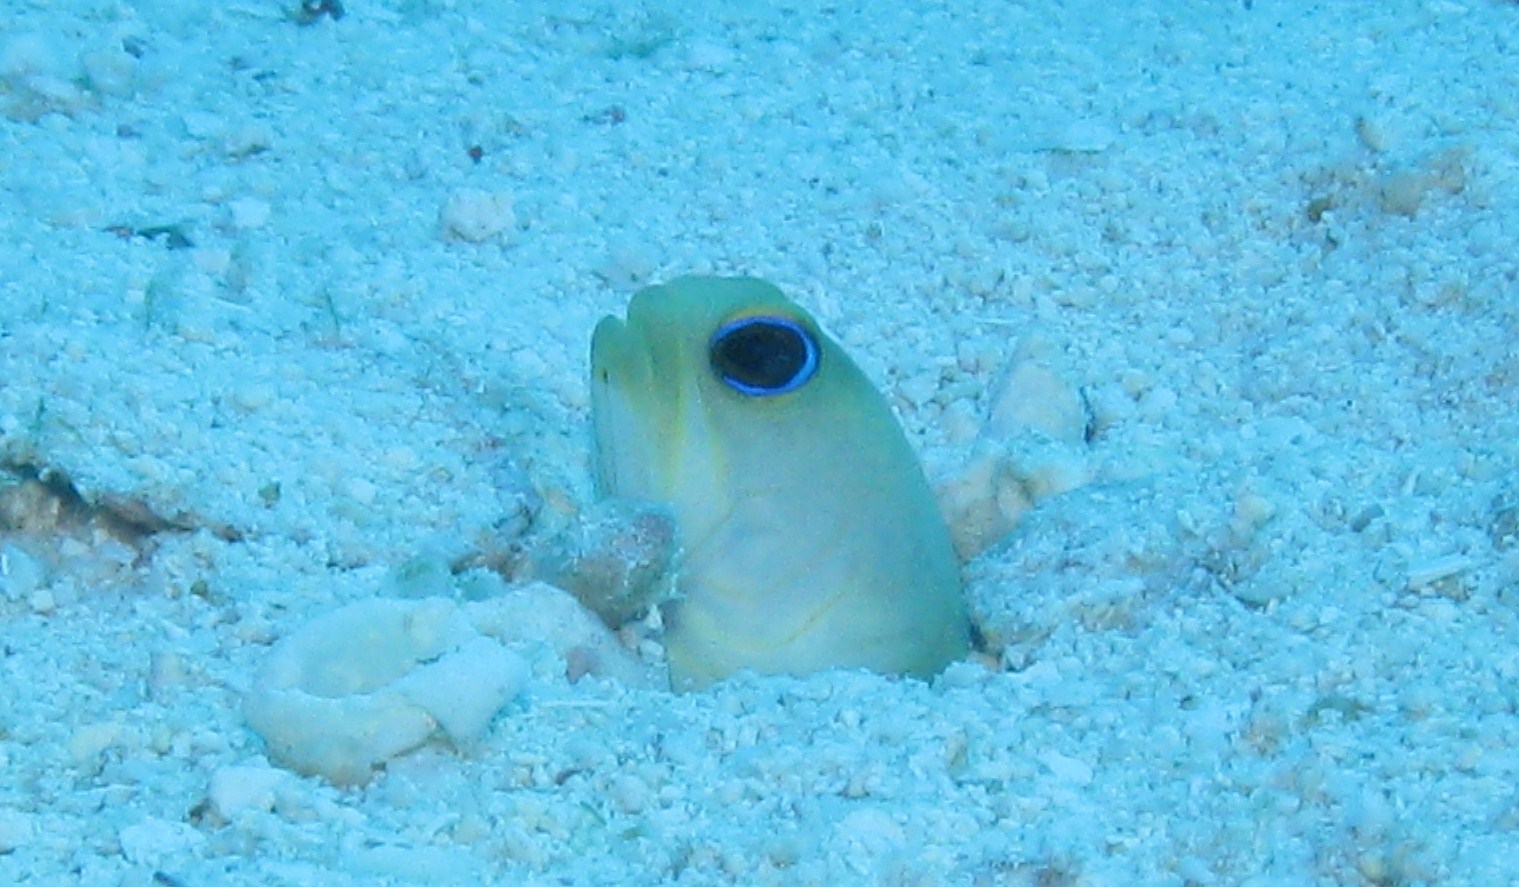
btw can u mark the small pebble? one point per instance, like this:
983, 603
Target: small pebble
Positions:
249, 213
1034, 397
21, 576
475, 216
236, 790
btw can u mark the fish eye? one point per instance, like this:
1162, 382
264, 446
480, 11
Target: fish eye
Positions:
762, 356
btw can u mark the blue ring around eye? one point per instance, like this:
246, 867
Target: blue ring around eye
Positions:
793, 370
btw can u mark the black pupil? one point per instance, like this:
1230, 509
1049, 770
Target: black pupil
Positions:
760, 355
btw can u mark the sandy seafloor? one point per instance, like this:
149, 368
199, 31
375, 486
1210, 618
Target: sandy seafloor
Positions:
262, 309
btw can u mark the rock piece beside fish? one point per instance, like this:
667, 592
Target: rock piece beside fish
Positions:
375, 679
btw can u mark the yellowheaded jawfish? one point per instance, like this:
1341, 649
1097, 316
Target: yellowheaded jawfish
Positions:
811, 539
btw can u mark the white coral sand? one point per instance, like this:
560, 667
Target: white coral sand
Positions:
1255, 621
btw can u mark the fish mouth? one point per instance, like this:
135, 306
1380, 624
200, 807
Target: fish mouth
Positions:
619, 435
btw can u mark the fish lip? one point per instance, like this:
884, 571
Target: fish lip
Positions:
610, 333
